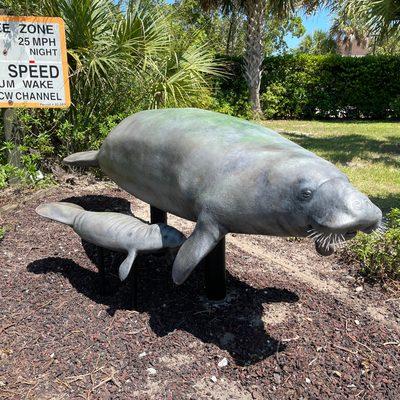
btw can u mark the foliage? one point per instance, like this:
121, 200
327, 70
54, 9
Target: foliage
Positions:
379, 254
225, 31
349, 27
320, 42
258, 15
382, 16
274, 100
122, 60
230, 93
389, 46
326, 86
276, 31
370, 23
2, 232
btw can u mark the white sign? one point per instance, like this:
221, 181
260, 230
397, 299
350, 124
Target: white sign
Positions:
33, 62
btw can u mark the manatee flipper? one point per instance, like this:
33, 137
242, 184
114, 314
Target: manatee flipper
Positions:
126, 265
60, 211
83, 159
203, 239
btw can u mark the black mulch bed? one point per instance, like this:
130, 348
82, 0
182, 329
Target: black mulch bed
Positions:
66, 333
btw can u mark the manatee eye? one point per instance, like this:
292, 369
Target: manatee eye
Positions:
306, 194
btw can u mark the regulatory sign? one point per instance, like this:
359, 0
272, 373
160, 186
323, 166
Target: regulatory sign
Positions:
33, 62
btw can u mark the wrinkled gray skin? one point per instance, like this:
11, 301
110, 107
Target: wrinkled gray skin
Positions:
114, 231
229, 175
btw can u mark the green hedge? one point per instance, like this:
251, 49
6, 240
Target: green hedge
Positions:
308, 86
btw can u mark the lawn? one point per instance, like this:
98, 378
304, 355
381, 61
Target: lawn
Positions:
368, 152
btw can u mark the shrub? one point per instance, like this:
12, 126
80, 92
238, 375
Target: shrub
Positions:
2, 232
230, 94
122, 58
379, 254
323, 86
274, 101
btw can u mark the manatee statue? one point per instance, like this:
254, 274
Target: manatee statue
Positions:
114, 231
229, 175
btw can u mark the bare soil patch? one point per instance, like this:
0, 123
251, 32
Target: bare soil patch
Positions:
295, 325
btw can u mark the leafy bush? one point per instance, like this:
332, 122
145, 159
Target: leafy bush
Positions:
122, 58
230, 94
274, 101
323, 86
379, 254
2, 232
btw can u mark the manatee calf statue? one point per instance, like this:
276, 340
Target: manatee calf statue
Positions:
229, 175
114, 231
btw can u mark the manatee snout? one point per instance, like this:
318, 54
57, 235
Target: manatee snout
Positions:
340, 212
367, 214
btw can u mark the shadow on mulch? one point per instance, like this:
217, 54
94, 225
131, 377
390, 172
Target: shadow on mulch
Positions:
235, 325
101, 203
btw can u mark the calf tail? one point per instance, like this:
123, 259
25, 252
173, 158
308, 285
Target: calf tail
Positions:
62, 212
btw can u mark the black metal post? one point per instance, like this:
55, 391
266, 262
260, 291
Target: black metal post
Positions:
214, 272
157, 216
101, 264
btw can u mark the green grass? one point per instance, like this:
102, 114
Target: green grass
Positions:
2, 232
367, 152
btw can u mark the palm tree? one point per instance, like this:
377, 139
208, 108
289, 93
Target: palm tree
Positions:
320, 42
111, 49
256, 12
382, 16
348, 28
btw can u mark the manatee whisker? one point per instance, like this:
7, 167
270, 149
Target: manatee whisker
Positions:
382, 227
314, 235
327, 241
321, 239
318, 239
339, 239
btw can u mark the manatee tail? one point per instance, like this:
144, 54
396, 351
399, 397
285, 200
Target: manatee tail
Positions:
83, 159
61, 212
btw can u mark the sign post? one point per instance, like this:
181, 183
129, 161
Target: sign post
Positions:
33, 68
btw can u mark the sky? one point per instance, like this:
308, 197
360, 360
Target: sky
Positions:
320, 20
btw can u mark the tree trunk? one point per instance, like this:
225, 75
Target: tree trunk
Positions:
254, 55
233, 25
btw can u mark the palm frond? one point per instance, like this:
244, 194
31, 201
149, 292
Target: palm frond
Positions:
382, 16
184, 77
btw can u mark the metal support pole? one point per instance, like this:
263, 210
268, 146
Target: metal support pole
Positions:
10, 130
214, 272
101, 264
214, 263
157, 216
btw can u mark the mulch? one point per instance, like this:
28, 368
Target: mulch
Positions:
66, 334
